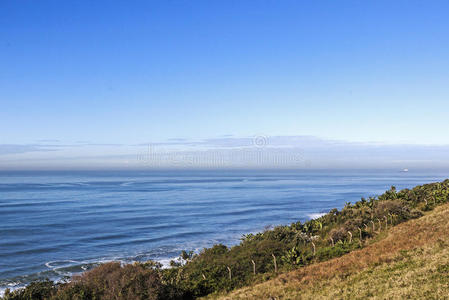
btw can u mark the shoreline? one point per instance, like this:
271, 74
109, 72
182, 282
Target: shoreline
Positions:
94, 263
298, 244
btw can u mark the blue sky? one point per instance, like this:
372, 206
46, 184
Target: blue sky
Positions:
106, 76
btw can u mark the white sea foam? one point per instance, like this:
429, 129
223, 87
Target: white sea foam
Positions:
60, 264
12, 286
166, 262
315, 215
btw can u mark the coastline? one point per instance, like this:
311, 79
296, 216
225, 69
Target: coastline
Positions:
245, 237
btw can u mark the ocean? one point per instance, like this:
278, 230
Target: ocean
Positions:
55, 224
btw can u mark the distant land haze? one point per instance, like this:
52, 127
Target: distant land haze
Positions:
255, 152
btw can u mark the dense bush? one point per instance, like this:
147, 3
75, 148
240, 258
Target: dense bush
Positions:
38, 290
113, 281
108, 281
220, 268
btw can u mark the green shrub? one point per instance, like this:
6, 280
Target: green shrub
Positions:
111, 280
340, 248
38, 290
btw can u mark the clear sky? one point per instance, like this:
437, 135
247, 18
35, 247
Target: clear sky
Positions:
134, 72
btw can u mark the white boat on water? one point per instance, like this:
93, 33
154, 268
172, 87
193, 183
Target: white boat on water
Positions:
405, 170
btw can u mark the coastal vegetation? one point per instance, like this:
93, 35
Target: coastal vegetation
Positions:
264, 264
408, 261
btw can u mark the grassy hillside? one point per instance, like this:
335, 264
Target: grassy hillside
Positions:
409, 261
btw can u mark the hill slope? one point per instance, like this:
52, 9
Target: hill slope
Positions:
410, 260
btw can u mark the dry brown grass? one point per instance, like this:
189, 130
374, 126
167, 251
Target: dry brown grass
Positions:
422, 273
328, 279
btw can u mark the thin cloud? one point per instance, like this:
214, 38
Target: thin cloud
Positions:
48, 141
17, 149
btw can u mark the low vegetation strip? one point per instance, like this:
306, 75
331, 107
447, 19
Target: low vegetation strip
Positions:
411, 260
372, 230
